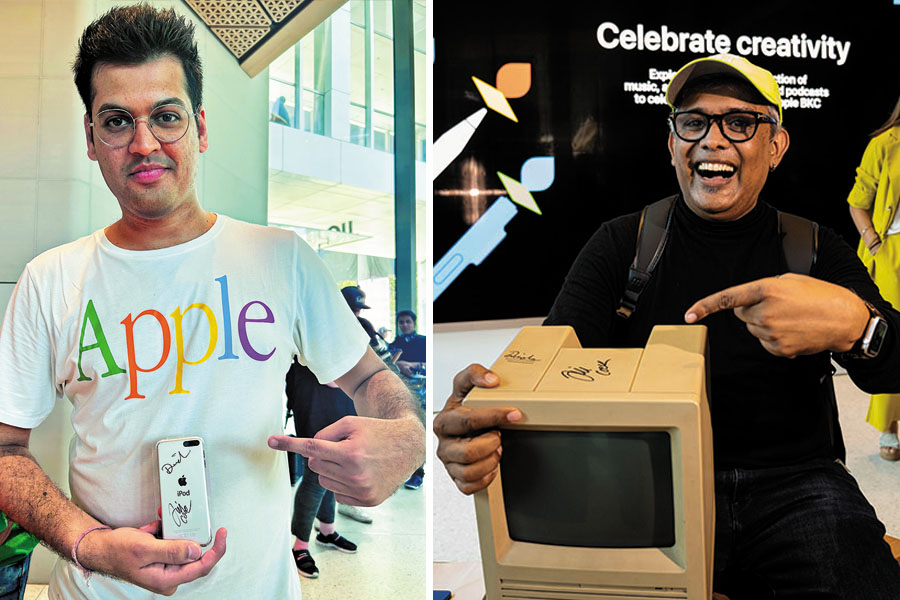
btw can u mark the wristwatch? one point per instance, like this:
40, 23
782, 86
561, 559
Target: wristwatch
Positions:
872, 338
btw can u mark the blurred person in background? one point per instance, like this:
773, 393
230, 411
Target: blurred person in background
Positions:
410, 343
873, 208
356, 300
411, 363
16, 546
315, 407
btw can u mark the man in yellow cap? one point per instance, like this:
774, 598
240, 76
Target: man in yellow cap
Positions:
790, 519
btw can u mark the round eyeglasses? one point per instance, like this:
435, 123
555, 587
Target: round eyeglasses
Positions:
168, 123
737, 126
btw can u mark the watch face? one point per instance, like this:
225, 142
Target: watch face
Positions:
879, 330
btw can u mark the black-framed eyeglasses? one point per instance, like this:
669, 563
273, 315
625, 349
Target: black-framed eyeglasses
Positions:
168, 123
737, 126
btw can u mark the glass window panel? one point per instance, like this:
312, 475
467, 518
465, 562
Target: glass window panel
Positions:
383, 81
419, 26
420, 142
313, 52
419, 66
308, 61
382, 17
358, 12
357, 65
357, 134
380, 140
281, 111
383, 132
283, 67
320, 114
358, 125
313, 112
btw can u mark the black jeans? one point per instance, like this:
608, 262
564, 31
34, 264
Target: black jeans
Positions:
13, 578
803, 532
310, 501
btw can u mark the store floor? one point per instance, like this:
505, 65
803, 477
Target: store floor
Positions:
389, 564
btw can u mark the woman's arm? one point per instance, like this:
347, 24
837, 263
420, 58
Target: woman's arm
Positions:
863, 220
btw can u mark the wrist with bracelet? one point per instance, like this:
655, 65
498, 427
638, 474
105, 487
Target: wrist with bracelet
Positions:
862, 236
87, 572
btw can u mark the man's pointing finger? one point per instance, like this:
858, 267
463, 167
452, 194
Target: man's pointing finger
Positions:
745, 294
308, 447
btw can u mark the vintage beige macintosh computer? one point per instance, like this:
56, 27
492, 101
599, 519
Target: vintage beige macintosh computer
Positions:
605, 488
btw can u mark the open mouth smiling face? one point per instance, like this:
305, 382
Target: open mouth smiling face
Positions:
721, 179
709, 169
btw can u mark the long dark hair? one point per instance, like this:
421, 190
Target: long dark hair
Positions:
892, 121
131, 35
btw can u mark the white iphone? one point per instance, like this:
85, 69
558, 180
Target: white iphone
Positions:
183, 489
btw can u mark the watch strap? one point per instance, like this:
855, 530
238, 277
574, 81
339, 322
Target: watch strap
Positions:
869, 344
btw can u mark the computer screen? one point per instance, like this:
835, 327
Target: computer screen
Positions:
593, 489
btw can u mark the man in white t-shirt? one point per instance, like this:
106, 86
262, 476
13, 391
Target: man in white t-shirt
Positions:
174, 322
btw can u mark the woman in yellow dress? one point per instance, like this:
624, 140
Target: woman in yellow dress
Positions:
873, 208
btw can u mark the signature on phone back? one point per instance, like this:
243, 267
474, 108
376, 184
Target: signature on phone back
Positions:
183, 488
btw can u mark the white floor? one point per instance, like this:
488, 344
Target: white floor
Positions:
455, 537
390, 563
391, 560
878, 479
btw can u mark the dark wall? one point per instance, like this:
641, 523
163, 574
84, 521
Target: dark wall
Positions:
610, 153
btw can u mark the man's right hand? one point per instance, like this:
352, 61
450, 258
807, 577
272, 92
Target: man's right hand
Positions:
137, 556
406, 367
470, 454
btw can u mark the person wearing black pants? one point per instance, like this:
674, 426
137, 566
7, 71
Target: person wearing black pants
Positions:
315, 406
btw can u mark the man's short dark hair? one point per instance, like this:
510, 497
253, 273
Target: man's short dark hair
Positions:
406, 313
132, 35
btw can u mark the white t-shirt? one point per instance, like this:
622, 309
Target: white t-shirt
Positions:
192, 340
895, 225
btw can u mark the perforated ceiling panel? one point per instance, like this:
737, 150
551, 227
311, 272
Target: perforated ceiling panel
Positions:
240, 39
230, 13
257, 32
279, 9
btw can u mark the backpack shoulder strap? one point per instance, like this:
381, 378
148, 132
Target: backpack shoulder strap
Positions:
800, 244
653, 231
799, 241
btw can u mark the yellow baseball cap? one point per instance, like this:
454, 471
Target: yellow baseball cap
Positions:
758, 77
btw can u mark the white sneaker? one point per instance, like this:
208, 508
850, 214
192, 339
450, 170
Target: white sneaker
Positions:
354, 512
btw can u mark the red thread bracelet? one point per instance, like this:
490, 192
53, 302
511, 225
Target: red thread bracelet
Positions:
86, 571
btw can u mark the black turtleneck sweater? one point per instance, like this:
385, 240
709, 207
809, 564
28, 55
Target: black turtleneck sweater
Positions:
766, 411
